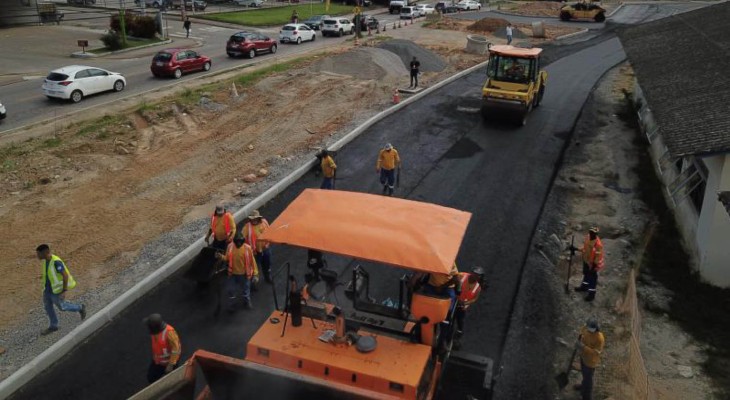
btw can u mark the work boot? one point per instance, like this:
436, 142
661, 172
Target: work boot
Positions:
591, 296
581, 288
390, 191
385, 189
248, 305
267, 277
82, 312
49, 330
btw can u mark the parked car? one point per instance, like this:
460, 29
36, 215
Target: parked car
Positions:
249, 44
249, 3
368, 21
315, 21
425, 9
445, 7
176, 62
3, 111
296, 33
408, 12
149, 3
199, 5
75, 82
467, 5
337, 27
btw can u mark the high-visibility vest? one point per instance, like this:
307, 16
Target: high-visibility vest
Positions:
56, 278
468, 294
248, 261
252, 234
226, 223
160, 347
593, 254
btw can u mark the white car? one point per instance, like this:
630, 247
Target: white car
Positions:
425, 9
409, 12
296, 33
77, 81
468, 5
337, 27
249, 3
3, 112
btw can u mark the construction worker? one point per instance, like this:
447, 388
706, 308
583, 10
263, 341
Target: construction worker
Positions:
593, 262
56, 280
165, 348
470, 289
328, 170
255, 226
388, 161
590, 345
444, 285
222, 228
242, 269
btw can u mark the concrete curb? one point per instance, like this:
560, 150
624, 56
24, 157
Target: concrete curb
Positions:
615, 10
79, 54
580, 32
97, 321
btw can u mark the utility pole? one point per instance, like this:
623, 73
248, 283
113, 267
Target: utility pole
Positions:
122, 24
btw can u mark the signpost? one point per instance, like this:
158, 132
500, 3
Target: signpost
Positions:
83, 44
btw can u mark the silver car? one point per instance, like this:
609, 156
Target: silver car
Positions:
3, 112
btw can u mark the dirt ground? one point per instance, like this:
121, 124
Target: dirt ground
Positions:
489, 26
600, 185
98, 191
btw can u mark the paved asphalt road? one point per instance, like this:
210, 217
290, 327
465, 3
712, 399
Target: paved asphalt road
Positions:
451, 157
26, 104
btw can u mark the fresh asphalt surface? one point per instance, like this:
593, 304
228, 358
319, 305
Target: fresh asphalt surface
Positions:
497, 171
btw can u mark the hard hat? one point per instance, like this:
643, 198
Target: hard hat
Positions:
478, 271
388, 146
255, 215
593, 229
592, 324
155, 323
220, 209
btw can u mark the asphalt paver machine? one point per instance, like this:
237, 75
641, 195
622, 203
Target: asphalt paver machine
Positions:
360, 348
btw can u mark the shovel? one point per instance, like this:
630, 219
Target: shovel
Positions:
562, 378
570, 265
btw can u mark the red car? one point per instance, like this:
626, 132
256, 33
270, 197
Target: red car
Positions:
249, 44
176, 62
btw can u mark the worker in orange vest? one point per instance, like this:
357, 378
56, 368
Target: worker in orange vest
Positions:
471, 287
222, 228
165, 348
593, 262
255, 226
242, 270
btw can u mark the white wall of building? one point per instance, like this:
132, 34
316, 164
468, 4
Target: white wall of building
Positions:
713, 233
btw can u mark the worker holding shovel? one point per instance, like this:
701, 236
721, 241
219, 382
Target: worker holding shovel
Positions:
590, 344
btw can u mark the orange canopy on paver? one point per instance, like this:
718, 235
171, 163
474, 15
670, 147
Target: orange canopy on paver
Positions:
515, 51
403, 233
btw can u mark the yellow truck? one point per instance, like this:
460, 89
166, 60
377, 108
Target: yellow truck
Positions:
515, 83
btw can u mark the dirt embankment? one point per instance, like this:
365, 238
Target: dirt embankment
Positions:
97, 192
495, 29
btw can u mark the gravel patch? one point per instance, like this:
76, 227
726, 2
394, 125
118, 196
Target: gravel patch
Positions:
364, 63
406, 50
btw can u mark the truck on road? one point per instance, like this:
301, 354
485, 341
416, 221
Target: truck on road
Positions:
319, 347
395, 5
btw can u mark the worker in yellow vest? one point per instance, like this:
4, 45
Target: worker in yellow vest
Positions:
329, 169
388, 161
222, 228
242, 270
593, 262
56, 280
590, 344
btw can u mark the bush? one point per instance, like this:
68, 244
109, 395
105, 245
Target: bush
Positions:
112, 40
136, 25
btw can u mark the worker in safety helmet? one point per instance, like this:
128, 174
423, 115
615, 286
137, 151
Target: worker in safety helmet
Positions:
471, 287
593, 262
165, 347
242, 271
388, 161
255, 226
590, 345
222, 228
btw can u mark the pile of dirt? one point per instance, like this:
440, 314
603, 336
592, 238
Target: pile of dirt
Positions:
406, 50
496, 27
364, 63
539, 8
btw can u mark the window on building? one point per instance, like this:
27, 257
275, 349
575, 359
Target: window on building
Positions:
690, 183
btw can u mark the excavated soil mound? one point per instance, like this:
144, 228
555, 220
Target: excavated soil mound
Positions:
496, 27
364, 63
406, 50
539, 9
